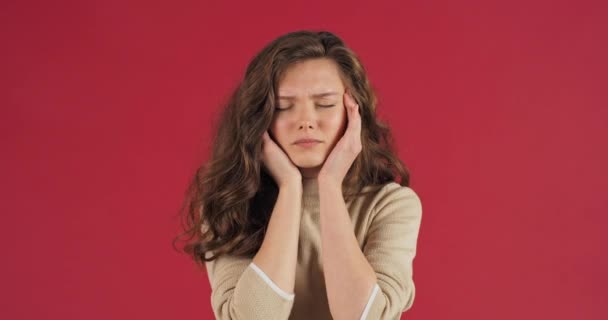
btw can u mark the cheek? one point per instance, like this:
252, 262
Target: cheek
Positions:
277, 130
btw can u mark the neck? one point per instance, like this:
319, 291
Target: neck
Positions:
310, 187
309, 173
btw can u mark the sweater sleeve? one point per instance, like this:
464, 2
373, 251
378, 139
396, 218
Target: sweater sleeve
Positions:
241, 290
390, 248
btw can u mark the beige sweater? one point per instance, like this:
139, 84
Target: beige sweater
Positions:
386, 225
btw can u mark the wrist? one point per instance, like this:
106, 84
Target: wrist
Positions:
327, 182
292, 184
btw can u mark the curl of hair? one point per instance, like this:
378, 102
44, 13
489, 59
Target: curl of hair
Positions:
230, 199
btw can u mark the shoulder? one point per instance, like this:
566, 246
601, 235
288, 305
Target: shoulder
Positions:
393, 189
395, 196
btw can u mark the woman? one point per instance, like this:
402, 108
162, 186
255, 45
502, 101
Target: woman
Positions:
297, 215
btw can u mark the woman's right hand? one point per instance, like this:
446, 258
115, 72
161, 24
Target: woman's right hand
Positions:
278, 164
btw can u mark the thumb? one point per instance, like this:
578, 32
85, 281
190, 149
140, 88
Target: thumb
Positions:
265, 137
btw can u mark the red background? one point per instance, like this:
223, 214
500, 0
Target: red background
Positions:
499, 110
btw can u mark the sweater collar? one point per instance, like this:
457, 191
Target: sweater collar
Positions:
310, 187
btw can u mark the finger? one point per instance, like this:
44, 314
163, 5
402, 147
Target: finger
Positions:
348, 100
351, 101
354, 120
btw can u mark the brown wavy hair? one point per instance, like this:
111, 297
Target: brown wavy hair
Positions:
230, 198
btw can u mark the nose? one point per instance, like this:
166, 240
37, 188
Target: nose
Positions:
306, 124
306, 118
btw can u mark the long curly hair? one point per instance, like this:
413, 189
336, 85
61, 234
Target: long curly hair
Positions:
229, 201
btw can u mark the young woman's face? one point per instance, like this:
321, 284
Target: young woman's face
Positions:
310, 105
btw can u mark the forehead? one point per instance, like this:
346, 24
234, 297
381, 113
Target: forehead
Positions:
310, 77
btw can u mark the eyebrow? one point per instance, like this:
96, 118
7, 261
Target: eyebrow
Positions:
317, 95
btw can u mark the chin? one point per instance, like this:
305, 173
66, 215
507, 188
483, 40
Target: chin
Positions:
308, 162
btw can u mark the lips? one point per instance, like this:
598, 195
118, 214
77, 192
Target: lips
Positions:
306, 141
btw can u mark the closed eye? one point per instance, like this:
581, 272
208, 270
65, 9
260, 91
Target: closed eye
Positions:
320, 105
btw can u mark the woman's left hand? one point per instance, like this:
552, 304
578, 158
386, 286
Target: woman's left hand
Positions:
346, 150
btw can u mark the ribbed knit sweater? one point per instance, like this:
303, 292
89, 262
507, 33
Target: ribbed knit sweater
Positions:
386, 224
